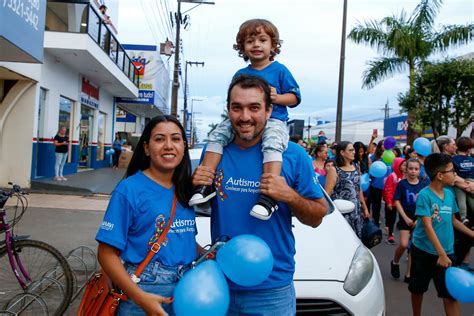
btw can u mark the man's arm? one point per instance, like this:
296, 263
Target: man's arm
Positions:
308, 211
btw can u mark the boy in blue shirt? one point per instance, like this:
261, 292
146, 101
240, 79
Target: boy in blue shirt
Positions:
433, 238
258, 42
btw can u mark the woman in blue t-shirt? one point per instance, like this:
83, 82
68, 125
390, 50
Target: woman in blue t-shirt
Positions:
138, 213
117, 146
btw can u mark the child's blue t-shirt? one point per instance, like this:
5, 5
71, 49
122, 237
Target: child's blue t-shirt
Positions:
238, 189
407, 194
441, 212
279, 77
137, 213
464, 166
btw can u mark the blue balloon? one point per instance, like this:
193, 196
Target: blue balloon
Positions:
378, 169
422, 146
246, 260
202, 291
364, 182
460, 284
109, 152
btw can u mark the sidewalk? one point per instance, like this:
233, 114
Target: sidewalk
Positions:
97, 181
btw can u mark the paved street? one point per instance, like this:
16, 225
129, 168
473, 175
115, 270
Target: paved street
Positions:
68, 221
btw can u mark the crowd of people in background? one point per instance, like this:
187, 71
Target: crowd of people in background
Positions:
418, 190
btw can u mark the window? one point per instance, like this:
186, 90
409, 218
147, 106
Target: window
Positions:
101, 135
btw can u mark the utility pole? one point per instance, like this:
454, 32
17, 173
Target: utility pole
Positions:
185, 116
175, 85
340, 90
386, 109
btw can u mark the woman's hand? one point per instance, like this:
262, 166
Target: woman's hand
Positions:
366, 213
151, 304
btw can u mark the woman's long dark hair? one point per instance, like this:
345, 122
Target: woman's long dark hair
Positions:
182, 174
379, 150
364, 161
341, 147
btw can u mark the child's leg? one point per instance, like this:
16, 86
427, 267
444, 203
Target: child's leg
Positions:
274, 143
404, 235
416, 303
451, 308
218, 139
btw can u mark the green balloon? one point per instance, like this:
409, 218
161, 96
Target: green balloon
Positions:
388, 156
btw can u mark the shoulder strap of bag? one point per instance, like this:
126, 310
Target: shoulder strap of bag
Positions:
157, 245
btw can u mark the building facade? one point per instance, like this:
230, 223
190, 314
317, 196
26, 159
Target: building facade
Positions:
81, 70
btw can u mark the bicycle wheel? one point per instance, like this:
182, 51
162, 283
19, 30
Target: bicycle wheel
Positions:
50, 275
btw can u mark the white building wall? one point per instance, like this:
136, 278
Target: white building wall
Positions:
59, 80
16, 128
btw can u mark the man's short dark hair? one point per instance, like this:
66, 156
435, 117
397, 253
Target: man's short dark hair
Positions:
295, 138
249, 82
435, 163
464, 143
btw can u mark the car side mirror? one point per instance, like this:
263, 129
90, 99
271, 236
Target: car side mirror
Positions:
344, 206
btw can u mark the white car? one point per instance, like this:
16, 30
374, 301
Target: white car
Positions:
335, 273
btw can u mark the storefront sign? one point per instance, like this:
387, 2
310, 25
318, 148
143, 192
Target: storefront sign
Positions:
89, 94
144, 97
22, 24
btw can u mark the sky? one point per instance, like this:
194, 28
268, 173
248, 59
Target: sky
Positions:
311, 34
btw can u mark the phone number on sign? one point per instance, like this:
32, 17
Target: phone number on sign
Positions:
27, 10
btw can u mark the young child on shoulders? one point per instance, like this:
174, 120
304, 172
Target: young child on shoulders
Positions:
404, 201
433, 238
257, 41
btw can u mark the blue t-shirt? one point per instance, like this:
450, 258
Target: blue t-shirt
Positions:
407, 194
464, 166
118, 144
424, 175
441, 212
137, 213
238, 182
279, 77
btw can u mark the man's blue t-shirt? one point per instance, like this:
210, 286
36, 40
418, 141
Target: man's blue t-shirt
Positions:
464, 166
137, 213
238, 183
441, 212
407, 194
279, 77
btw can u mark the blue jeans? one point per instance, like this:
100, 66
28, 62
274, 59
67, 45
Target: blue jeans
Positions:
59, 165
157, 279
273, 302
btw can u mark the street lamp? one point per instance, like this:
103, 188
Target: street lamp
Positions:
175, 85
185, 106
192, 119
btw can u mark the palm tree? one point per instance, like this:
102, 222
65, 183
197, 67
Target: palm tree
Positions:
406, 42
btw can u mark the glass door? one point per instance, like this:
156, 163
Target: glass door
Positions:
86, 126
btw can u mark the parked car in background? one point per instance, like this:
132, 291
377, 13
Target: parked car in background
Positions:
335, 273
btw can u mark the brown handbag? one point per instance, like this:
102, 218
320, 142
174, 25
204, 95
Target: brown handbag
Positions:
101, 298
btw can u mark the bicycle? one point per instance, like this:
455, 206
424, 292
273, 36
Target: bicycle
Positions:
35, 278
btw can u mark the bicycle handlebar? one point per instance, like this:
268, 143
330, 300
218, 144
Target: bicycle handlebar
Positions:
5, 195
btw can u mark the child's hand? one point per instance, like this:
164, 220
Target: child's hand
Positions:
203, 176
444, 261
273, 94
409, 222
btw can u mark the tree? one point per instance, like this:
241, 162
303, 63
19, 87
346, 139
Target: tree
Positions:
212, 126
406, 43
442, 95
